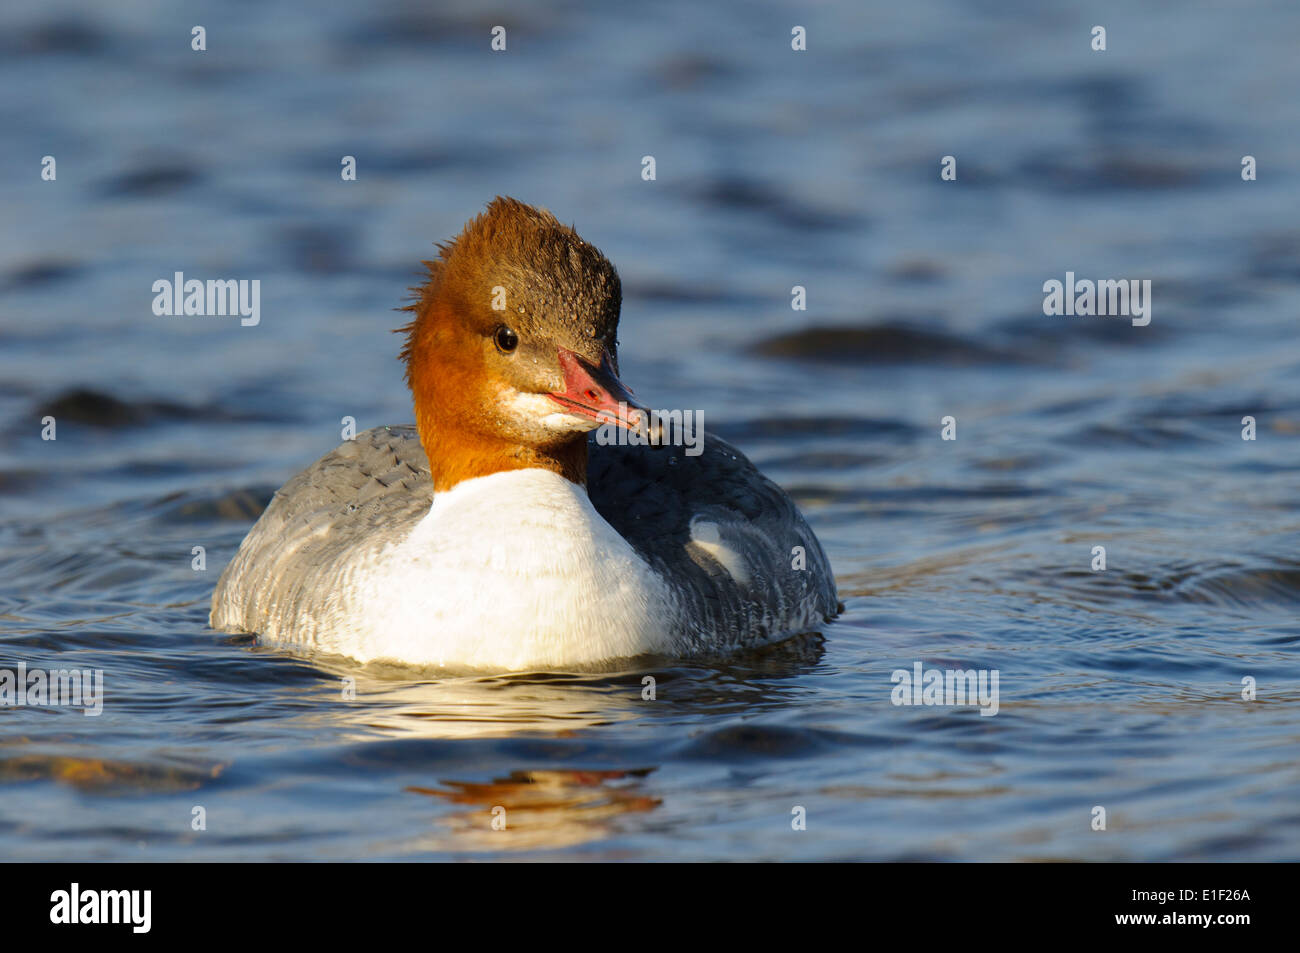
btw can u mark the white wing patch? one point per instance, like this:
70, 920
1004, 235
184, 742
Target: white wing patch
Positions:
706, 537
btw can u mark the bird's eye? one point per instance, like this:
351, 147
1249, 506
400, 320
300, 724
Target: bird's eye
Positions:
507, 340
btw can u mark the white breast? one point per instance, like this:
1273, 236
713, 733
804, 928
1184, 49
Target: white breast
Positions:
512, 571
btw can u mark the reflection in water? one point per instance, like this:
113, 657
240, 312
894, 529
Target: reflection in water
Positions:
390, 703
91, 775
536, 809
560, 790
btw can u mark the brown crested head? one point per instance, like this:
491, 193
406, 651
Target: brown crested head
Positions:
512, 355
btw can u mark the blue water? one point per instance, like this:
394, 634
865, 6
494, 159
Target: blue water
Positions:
1119, 689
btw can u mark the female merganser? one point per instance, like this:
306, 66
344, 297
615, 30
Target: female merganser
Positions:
517, 543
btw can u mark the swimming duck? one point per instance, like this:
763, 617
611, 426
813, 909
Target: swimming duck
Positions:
498, 533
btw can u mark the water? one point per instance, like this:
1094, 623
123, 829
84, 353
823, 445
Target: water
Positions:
1119, 689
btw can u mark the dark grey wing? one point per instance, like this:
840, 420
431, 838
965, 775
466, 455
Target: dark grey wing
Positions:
728, 538
367, 492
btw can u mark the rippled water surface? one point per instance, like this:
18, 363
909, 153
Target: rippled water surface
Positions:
1120, 689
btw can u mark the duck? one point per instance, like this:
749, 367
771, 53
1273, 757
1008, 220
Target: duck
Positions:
505, 531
